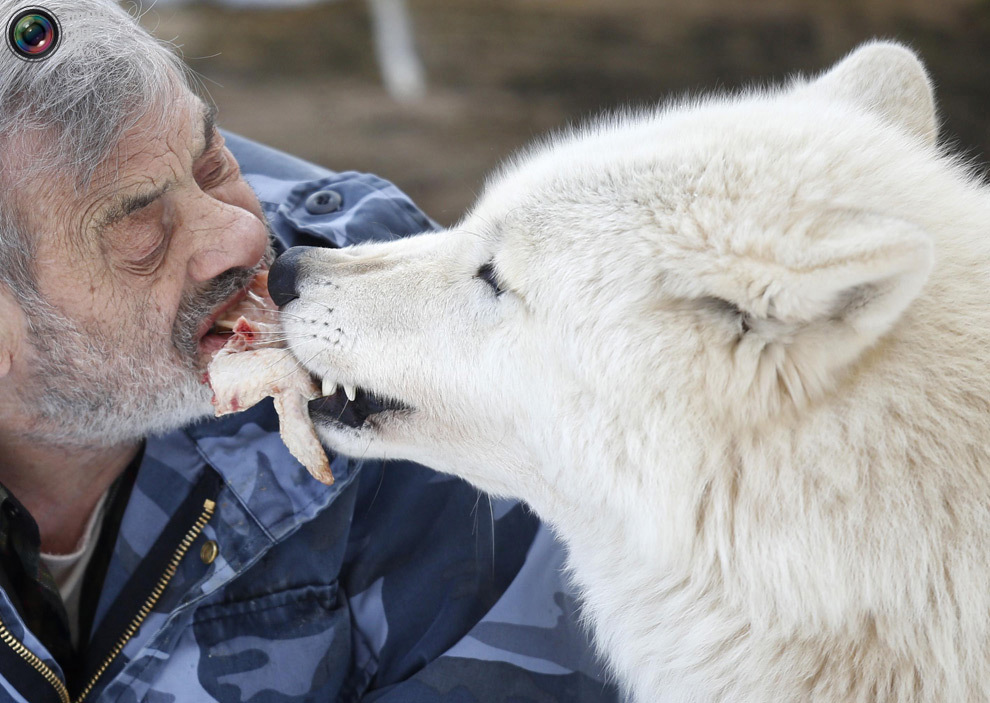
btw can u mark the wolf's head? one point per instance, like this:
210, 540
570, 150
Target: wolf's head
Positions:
680, 272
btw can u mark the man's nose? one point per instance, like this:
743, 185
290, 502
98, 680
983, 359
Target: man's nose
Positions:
283, 275
228, 237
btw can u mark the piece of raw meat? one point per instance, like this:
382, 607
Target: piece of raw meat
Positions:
253, 365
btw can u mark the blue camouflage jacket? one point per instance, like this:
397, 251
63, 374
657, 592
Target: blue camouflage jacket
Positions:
237, 577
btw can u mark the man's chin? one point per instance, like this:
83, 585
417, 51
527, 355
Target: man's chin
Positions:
95, 419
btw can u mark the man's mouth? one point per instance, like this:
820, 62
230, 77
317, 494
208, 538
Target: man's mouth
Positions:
216, 329
251, 301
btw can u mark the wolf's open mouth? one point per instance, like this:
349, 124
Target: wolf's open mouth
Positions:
351, 411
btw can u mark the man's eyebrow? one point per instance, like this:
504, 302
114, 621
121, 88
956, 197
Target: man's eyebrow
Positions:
127, 204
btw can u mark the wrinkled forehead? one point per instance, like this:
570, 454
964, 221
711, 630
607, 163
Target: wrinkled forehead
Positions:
56, 201
149, 149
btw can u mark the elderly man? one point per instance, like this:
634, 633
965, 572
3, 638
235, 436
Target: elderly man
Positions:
148, 552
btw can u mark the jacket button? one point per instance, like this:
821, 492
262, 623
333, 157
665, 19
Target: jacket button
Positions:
209, 551
323, 201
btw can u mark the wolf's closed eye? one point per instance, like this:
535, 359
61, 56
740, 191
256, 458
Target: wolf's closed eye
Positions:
487, 274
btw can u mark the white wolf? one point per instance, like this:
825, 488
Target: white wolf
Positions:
736, 352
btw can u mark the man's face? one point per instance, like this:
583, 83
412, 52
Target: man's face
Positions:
134, 272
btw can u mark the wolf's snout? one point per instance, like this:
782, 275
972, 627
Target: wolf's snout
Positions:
284, 274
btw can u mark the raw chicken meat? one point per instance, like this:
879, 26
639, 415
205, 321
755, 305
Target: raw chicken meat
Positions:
253, 365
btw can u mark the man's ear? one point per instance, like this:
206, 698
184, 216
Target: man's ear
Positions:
808, 303
12, 327
888, 79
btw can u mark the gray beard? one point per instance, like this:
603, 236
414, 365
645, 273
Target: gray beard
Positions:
96, 387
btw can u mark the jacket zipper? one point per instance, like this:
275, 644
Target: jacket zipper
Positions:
63, 693
35, 662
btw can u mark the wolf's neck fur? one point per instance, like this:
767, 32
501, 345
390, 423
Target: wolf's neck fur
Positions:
700, 582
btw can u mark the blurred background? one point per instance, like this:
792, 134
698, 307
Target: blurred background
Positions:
432, 94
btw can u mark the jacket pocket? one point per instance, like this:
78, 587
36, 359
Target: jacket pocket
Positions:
292, 645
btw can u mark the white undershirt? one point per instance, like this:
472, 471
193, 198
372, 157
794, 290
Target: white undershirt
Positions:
68, 569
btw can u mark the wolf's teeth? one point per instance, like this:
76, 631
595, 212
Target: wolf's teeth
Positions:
329, 387
350, 391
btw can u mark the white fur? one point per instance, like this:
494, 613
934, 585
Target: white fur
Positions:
742, 367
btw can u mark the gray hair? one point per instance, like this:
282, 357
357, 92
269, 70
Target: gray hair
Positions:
105, 76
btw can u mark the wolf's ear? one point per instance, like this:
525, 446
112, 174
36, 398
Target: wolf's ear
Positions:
810, 300
806, 303
889, 79
857, 269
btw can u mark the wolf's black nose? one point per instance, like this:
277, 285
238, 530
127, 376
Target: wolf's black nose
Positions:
283, 274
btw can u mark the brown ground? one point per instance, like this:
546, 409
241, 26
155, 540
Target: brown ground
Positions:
502, 72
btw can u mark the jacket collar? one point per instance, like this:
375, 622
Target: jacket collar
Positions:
274, 488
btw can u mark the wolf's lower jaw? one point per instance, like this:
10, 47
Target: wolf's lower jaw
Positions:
351, 407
